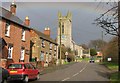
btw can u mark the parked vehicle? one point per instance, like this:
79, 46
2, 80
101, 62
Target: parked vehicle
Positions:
22, 71
4, 74
91, 61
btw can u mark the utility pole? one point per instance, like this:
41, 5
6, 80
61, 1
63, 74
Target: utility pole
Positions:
119, 36
89, 52
102, 48
102, 37
60, 41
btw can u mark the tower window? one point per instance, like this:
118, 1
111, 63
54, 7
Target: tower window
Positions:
62, 28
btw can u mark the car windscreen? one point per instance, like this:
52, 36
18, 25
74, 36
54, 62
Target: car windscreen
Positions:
15, 66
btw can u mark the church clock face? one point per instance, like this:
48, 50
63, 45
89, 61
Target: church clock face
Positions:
63, 36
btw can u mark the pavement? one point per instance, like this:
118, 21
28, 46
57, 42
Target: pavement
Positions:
54, 68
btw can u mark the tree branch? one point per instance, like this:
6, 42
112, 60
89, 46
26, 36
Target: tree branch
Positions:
106, 12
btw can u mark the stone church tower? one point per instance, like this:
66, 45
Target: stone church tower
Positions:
65, 23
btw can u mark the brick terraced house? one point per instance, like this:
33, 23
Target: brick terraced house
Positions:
22, 43
16, 34
43, 48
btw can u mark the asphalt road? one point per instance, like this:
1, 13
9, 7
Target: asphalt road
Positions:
81, 71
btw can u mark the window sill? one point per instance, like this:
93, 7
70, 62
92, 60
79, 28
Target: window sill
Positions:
7, 36
9, 58
23, 40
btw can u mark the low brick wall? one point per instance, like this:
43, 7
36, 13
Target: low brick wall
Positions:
37, 64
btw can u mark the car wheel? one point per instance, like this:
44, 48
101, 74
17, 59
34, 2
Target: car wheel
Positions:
4, 81
25, 79
38, 77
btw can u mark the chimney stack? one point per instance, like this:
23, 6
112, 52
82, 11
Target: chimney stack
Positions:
27, 21
47, 31
13, 8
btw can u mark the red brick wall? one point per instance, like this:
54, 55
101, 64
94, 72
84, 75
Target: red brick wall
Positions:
33, 35
15, 39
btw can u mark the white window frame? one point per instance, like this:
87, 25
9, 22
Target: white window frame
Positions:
47, 57
50, 46
50, 57
55, 48
10, 52
43, 43
7, 28
42, 56
23, 34
22, 56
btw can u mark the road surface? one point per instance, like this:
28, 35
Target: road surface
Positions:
81, 71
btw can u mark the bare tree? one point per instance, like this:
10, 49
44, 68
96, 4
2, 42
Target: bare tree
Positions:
97, 44
111, 50
109, 19
110, 22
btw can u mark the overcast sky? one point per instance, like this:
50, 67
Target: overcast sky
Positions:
43, 14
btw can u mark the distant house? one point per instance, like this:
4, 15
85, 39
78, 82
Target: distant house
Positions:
43, 48
99, 54
16, 34
79, 50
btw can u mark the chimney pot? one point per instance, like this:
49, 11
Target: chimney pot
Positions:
45, 28
13, 8
48, 28
27, 18
13, 3
27, 21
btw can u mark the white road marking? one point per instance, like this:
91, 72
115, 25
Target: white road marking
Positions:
81, 70
66, 79
75, 74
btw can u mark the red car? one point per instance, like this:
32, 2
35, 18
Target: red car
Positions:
22, 71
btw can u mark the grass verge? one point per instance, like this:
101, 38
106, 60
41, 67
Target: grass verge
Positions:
85, 59
115, 76
111, 65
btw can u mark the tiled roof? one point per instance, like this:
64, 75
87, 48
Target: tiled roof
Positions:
9, 16
43, 36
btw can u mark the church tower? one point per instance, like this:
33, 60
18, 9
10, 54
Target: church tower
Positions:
65, 24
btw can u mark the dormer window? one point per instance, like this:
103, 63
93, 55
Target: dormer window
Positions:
7, 29
23, 34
